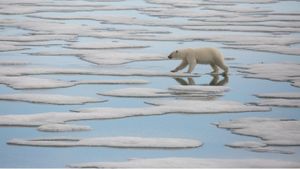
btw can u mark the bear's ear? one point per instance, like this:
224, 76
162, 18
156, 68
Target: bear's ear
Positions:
176, 51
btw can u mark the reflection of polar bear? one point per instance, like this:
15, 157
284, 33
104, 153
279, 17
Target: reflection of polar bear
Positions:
195, 56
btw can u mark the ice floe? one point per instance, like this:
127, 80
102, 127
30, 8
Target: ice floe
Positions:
278, 102
216, 106
174, 91
104, 45
162, 107
269, 48
258, 147
242, 28
104, 57
284, 99
273, 132
137, 92
27, 82
120, 142
38, 70
63, 127
12, 62
37, 38
288, 72
15, 8
49, 98
282, 95
198, 89
10, 46
181, 162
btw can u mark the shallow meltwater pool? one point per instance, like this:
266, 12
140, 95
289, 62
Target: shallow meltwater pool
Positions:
89, 84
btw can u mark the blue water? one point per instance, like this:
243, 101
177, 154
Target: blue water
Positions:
196, 126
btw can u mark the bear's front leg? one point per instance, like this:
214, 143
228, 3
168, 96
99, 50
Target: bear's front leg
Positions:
182, 65
192, 63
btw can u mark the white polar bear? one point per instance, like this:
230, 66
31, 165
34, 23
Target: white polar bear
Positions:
193, 56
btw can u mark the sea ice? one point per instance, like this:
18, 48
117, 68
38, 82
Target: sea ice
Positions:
287, 72
279, 102
137, 92
280, 95
120, 142
177, 162
102, 57
38, 70
63, 127
273, 132
27, 82
174, 91
162, 107
49, 98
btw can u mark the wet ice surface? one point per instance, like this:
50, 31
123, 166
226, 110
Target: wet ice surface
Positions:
283, 99
273, 132
62, 127
188, 163
49, 98
86, 48
118, 142
27, 82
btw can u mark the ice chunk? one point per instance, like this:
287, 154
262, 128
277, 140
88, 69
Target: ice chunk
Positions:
27, 82
246, 144
279, 102
273, 132
38, 70
104, 57
287, 72
198, 89
177, 162
10, 46
280, 95
124, 142
194, 106
163, 107
137, 92
175, 91
49, 98
104, 45
62, 127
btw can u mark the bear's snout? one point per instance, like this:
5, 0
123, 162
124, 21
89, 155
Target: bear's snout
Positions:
170, 56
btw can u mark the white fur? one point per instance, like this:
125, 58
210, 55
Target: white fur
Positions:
194, 56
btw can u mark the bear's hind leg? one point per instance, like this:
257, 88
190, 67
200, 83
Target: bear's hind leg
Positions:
215, 69
224, 67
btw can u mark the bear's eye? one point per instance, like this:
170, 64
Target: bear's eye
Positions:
176, 51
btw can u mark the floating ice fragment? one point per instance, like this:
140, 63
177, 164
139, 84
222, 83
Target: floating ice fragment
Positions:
49, 98
137, 92
284, 99
27, 82
288, 72
199, 89
38, 70
279, 102
273, 132
104, 57
280, 95
104, 45
177, 162
175, 91
62, 127
163, 107
195, 106
121, 142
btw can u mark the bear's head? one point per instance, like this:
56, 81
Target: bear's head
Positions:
175, 55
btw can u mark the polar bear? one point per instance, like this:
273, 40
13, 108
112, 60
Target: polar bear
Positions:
193, 56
